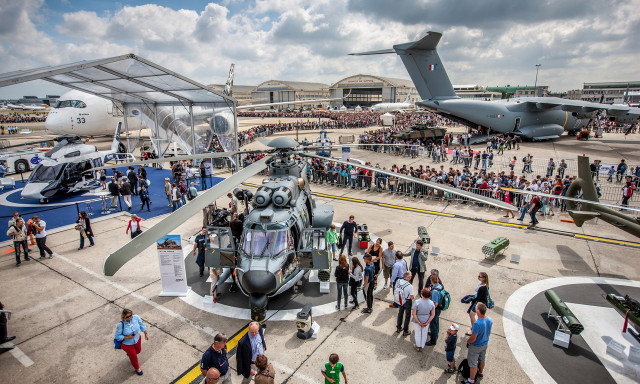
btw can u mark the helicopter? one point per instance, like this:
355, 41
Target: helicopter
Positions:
284, 233
65, 167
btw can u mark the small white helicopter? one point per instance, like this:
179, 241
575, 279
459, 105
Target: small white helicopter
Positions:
64, 168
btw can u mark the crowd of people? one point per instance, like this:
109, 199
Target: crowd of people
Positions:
16, 118
423, 310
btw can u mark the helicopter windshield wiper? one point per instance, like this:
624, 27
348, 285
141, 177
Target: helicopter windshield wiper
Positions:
265, 247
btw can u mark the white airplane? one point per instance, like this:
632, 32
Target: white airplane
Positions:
24, 107
84, 114
407, 105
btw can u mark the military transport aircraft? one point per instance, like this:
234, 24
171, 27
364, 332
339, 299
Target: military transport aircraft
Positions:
534, 118
284, 234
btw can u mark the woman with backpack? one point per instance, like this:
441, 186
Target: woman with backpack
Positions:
128, 337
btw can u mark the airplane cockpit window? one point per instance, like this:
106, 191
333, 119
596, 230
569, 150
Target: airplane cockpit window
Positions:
266, 244
45, 174
69, 104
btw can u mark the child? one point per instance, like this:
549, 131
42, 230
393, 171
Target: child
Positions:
450, 347
331, 370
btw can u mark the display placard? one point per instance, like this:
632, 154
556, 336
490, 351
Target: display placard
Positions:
172, 270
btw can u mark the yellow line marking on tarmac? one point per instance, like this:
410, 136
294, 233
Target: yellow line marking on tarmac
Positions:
606, 240
507, 224
341, 198
416, 210
191, 375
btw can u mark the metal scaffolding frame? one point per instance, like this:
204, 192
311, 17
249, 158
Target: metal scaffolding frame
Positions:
130, 80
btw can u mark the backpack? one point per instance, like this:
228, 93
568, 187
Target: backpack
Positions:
463, 369
628, 191
398, 293
445, 299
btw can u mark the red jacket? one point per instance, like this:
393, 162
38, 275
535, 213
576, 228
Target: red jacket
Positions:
129, 226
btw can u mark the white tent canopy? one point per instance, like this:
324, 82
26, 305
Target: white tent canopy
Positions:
388, 119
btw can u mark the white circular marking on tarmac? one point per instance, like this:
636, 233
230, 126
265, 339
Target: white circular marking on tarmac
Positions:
514, 310
5, 202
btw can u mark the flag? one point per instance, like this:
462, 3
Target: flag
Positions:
432, 67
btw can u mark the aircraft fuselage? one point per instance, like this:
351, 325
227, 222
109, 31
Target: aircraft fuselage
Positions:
506, 117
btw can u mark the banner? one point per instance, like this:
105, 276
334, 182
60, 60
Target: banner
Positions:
346, 153
172, 271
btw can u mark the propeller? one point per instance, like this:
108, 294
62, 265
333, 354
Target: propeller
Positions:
440, 187
120, 257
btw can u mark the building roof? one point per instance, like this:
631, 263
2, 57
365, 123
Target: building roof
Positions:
281, 85
513, 88
391, 81
613, 84
126, 79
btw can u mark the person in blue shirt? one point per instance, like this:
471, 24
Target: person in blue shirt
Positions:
436, 296
128, 332
477, 344
216, 357
367, 287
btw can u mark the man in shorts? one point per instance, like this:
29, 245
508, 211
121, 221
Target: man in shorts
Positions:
389, 258
477, 344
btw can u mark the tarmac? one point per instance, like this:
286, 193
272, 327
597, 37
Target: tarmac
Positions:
64, 310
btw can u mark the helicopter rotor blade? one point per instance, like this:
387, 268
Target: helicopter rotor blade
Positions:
441, 187
120, 257
574, 199
208, 155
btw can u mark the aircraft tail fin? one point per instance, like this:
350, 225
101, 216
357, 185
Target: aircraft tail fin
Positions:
424, 66
408, 98
228, 87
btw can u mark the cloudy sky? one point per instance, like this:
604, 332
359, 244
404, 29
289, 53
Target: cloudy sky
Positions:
489, 42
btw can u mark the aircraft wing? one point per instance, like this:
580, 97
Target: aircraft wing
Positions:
577, 106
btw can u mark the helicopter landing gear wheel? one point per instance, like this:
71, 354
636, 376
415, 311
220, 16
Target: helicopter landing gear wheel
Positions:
44, 201
258, 304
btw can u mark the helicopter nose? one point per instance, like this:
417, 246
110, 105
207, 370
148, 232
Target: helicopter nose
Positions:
260, 282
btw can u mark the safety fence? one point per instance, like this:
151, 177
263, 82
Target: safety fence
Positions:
396, 186
499, 163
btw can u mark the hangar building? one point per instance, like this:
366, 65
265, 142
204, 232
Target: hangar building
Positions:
277, 91
367, 90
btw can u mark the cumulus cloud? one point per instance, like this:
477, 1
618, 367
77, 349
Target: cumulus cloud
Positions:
493, 42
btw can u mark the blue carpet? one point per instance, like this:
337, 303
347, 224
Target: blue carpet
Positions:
63, 210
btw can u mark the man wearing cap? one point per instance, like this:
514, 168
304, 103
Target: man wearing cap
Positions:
477, 344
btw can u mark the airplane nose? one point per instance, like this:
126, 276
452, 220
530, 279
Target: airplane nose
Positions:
259, 282
54, 122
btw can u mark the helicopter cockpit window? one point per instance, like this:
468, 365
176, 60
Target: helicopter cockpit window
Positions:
266, 244
45, 174
72, 154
